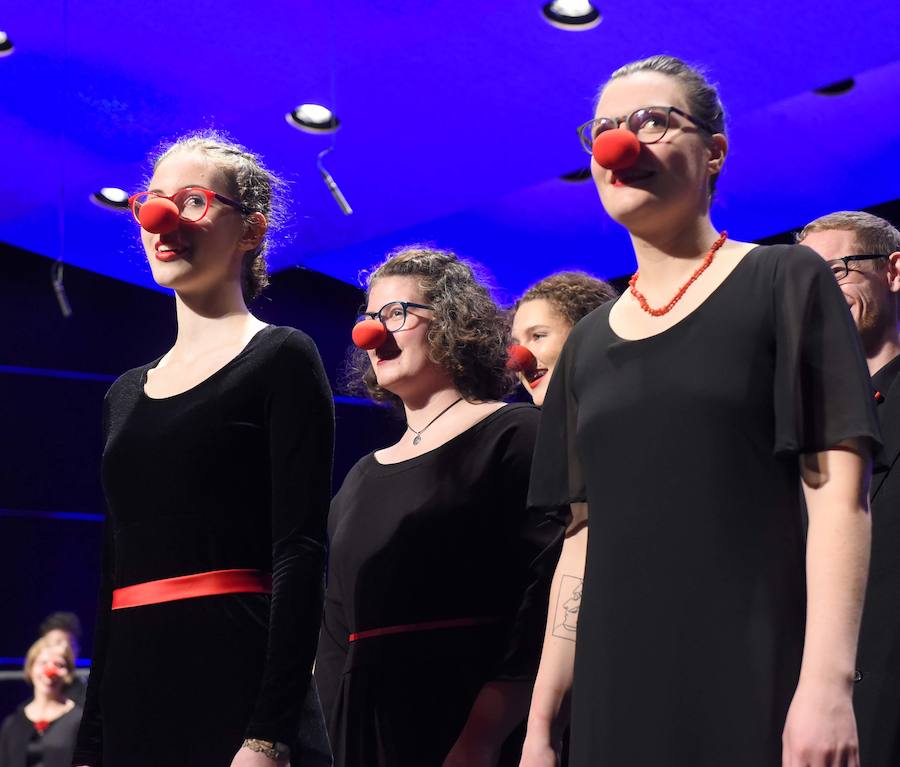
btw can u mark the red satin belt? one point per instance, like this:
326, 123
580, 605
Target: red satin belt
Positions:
190, 586
450, 623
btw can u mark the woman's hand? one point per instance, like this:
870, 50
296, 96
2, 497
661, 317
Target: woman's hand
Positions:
820, 730
246, 757
537, 752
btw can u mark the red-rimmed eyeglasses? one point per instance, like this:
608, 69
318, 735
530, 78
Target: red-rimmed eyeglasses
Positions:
192, 202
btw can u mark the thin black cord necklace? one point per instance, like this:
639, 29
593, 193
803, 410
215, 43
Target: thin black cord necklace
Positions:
418, 438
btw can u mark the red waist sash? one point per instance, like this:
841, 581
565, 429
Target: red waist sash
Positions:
190, 586
450, 623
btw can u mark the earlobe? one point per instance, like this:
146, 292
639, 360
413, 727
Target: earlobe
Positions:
893, 272
717, 152
254, 231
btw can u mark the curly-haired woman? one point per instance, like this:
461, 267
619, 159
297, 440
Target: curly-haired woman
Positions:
543, 318
432, 619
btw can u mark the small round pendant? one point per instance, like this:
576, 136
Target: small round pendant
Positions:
418, 439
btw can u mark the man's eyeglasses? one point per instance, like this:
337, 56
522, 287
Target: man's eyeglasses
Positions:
192, 202
649, 124
393, 314
840, 267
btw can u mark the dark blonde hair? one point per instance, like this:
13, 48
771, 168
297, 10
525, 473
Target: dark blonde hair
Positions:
252, 183
467, 336
572, 294
701, 95
43, 644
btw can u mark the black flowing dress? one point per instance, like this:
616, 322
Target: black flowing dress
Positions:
685, 446
234, 473
435, 588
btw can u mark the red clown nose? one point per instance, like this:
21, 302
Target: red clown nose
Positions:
369, 334
616, 149
51, 672
158, 215
520, 359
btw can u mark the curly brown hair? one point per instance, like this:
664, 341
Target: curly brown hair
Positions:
467, 336
572, 294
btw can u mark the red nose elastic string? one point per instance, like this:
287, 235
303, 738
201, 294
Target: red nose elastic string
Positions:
369, 334
616, 149
159, 216
520, 359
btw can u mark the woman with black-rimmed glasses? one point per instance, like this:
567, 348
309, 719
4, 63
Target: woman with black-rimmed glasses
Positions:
217, 472
684, 425
433, 616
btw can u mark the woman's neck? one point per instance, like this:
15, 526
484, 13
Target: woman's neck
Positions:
424, 406
49, 700
665, 255
210, 319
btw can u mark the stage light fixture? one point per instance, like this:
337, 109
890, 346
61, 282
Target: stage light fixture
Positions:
6, 46
836, 89
111, 197
313, 118
572, 15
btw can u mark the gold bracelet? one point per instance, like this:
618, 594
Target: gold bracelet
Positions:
277, 752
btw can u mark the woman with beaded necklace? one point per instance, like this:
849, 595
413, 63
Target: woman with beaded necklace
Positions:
682, 423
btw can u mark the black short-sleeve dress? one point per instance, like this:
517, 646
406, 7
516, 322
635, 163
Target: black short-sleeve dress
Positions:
234, 473
684, 445
435, 587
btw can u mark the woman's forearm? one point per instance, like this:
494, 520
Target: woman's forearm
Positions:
548, 714
835, 484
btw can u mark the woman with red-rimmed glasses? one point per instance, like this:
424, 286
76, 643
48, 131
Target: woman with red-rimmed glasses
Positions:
684, 425
217, 471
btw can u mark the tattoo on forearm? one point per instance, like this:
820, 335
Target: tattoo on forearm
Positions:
568, 605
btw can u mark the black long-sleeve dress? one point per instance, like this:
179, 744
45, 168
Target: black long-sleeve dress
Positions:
685, 446
434, 589
234, 473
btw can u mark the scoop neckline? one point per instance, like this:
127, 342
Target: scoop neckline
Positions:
684, 320
409, 463
215, 374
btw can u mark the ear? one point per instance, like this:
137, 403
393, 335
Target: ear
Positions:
893, 272
718, 150
254, 231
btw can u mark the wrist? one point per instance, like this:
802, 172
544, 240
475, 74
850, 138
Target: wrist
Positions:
277, 752
832, 679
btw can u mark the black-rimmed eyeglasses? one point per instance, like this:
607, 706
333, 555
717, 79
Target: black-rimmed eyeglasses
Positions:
392, 315
649, 124
840, 267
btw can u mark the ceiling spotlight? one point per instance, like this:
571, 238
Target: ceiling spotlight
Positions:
582, 174
6, 46
111, 197
573, 15
836, 89
313, 118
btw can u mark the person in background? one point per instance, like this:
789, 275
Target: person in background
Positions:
42, 732
544, 316
863, 252
64, 629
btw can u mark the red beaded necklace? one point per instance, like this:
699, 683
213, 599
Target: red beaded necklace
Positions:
641, 299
